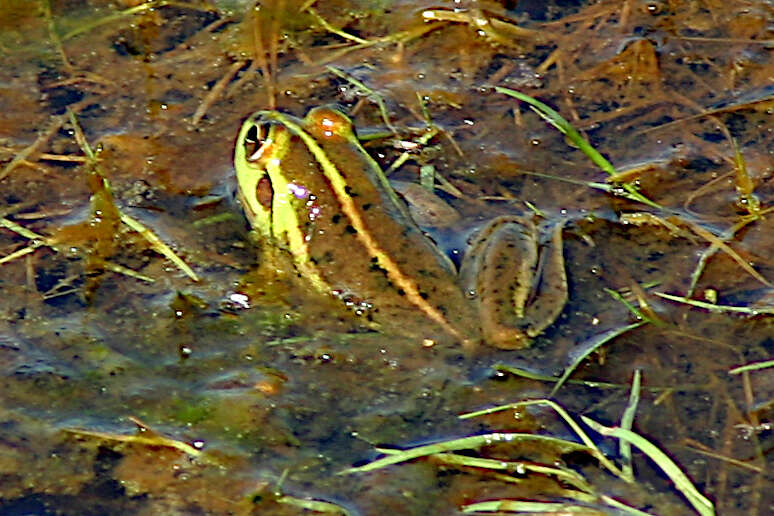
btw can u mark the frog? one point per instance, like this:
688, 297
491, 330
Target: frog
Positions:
313, 194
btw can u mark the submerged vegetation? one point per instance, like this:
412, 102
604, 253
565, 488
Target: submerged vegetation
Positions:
157, 359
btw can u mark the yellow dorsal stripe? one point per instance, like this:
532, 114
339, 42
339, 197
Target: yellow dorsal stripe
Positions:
403, 282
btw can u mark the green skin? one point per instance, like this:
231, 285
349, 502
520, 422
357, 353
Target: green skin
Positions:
333, 210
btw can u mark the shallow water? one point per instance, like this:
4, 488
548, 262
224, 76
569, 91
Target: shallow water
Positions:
281, 397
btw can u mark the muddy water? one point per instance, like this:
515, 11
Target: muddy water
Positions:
103, 339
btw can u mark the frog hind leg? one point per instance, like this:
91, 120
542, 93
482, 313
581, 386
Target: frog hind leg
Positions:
497, 271
501, 271
551, 287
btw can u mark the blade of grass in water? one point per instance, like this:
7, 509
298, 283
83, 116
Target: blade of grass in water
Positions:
156, 243
589, 444
718, 308
524, 507
530, 507
757, 366
313, 505
556, 120
627, 422
701, 504
590, 347
465, 443
373, 95
520, 468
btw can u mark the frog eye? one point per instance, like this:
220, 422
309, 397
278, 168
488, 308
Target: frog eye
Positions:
257, 141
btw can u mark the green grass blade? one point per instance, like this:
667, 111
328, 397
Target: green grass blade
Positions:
313, 505
701, 504
589, 348
158, 245
555, 119
569, 421
527, 507
712, 307
465, 443
627, 421
636, 312
520, 468
757, 366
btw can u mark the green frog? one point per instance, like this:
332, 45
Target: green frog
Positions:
314, 194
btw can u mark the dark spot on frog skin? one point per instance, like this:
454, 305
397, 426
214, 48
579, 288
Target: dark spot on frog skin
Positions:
348, 190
